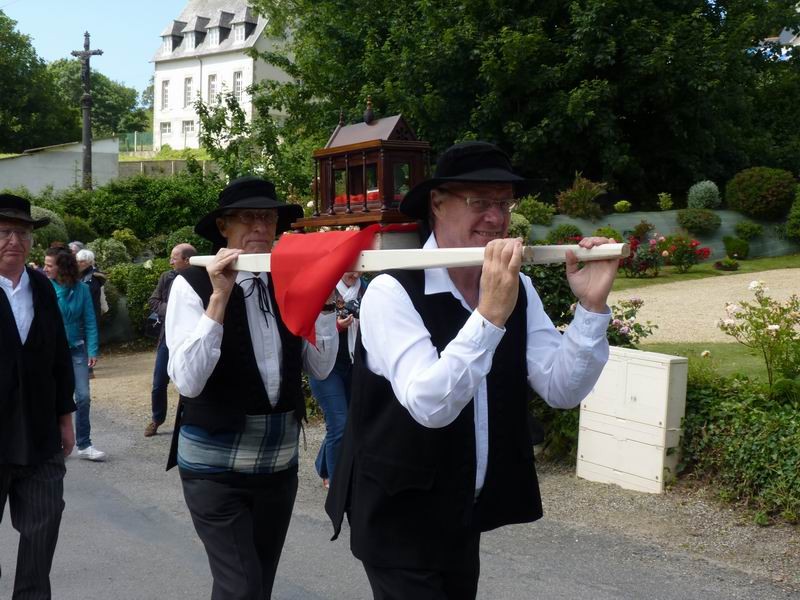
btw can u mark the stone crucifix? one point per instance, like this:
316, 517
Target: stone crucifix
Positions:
86, 104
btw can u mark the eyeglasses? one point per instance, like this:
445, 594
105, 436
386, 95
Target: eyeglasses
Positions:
482, 205
23, 235
248, 217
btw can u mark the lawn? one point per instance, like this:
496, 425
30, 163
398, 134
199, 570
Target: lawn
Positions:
727, 358
706, 269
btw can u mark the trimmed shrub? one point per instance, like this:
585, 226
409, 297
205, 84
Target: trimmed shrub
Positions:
761, 192
519, 227
157, 245
141, 281
132, 244
792, 229
579, 201
536, 211
55, 231
186, 235
747, 230
565, 233
641, 231
109, 252
622, 206
608, 232
79, 229
665, 201
736, 247
703, 194
699, 220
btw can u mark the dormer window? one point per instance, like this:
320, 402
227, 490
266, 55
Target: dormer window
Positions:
166, 44
190, 39
213, 36
238, 32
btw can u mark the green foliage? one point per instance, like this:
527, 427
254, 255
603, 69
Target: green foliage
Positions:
118, 276
140, 282
609, 232
79, 229
519, 227
703, 194
699, 220
622, 206
566, 233
624, 330
768, 326
32, 114
157, 245
747, 230
186, 235
132, 244
55, 231
108, 252
641, 231
736, 247
741, 440
536, 211
665, 201
550, 282
580, 200
786, 391
645, 259
761, 192
727, 264
792, 231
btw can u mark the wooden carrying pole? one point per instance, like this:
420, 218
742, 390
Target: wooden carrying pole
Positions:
381, 260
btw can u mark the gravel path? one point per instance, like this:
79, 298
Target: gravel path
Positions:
686, 519
687, 311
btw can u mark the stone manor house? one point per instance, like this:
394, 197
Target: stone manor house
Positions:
202, 55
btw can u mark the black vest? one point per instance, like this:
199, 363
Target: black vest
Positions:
409, 490
235, 388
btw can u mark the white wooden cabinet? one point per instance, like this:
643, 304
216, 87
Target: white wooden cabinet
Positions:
630, 423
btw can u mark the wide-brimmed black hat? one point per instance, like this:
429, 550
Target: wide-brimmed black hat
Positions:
19, 209
467, 162
247, 192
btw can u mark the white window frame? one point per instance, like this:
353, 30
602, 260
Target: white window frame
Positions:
238, 87
190, 39
212, 88
166, 45
187, 127
188, 84
164, 94
213, 36
239, 32
165, 127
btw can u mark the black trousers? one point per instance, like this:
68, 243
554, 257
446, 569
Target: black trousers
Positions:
36, 500
243, 528
460, 583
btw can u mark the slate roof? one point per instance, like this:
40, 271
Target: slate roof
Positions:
200, 15
379, 129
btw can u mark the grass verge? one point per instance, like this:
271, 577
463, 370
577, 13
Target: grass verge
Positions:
726, 358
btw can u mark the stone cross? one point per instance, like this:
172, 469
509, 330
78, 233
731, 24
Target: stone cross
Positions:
86, 103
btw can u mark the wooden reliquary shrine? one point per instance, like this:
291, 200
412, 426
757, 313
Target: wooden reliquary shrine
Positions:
363, 172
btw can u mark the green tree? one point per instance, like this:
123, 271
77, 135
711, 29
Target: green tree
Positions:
31, 113
645, 96
114, 105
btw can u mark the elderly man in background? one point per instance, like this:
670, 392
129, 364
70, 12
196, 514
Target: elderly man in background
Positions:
178, 260
238, 369
36, 387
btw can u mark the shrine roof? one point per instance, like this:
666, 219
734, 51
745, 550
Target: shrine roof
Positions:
387, 128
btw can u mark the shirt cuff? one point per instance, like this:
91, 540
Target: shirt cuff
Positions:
208, 327
482, 332
590, 324
326, 325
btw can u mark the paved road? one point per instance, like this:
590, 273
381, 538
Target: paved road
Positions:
126, 535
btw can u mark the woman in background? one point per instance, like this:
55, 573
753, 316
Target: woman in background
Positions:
77, 310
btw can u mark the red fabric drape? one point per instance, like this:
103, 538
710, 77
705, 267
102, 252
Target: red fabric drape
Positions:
305, 269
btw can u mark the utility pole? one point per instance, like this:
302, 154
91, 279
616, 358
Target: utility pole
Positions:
86, 104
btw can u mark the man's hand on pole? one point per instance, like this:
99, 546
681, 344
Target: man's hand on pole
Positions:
591, 283
222, 280
500, 280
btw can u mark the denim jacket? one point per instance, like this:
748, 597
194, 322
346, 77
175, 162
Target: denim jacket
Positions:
77, 311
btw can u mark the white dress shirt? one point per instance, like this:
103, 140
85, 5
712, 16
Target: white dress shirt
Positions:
194, 340
435, 388
21, 300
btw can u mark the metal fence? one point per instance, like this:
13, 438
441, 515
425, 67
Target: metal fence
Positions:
137, 141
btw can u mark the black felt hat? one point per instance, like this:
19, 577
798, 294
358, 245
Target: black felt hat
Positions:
19, 209
467, 162
247, 192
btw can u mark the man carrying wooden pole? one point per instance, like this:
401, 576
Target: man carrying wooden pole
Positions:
437, 447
